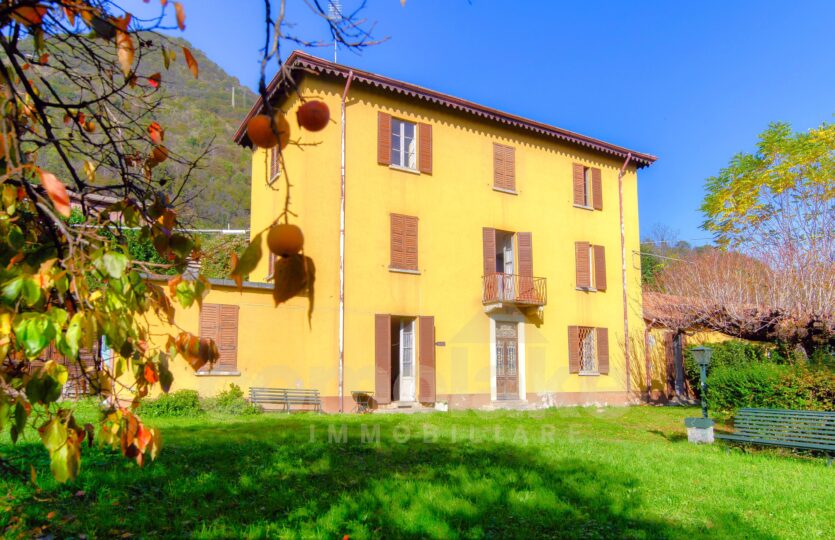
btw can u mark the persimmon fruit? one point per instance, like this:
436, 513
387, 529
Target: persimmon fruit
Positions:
282, 126
313, 115
285, 239
260, 131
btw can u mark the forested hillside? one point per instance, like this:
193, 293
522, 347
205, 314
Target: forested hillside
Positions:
196, 113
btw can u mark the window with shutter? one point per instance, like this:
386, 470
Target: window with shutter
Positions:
404, 243
504, 167
382, 358
588, 191
426, 352
220, 323
573, 349
583, 264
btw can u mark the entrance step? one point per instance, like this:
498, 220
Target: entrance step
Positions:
405, 407
509, 404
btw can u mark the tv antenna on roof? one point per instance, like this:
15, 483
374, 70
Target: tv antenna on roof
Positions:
334, 15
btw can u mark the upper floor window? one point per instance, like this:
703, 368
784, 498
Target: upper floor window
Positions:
588, 187
504, 168
590, 266
274, 165
404, 243
403, 144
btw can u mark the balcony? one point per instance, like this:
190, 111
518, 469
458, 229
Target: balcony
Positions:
500, 290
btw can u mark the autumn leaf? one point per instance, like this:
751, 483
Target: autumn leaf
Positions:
181, 16
57, 193
192, 63
154, 80
125, 52
150, 374
233, 263
156, 133
247, 262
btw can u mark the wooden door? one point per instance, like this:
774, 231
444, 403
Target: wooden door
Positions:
507, 361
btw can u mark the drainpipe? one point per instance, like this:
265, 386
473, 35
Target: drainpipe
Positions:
342, 251
623, 276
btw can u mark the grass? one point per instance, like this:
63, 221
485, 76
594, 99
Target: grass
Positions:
591, 473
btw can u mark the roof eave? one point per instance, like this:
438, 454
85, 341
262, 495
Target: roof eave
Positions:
302, 60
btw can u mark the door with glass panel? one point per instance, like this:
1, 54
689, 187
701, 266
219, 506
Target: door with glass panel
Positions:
507, 360
407, 360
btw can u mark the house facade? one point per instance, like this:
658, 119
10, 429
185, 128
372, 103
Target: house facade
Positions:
463, 255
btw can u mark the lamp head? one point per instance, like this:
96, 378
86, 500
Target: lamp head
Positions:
702, 355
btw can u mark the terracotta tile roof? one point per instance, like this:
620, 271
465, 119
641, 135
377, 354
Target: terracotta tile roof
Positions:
311, 64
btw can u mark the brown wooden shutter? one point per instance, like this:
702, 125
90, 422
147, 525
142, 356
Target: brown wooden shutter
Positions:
410, 243
425, 148
227, 343
596, 189
574, 349
404, 247
426, 350
525, 247
382, 358
210, 328
579, 184
383, 138
603, 351
600, 268
504, 167
583, 268
489, 247
398, 241
274, 162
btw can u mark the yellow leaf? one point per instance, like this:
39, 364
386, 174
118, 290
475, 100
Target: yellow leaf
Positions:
125, 52
192, 63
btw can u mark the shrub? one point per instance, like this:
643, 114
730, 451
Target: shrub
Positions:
231, 401
770, 385
179, 403
726, 354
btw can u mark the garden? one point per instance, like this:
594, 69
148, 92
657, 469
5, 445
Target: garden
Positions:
574, 472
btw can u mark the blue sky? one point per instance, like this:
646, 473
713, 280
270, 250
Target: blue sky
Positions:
691, 82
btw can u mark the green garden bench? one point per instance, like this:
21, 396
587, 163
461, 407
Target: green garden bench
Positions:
804, 430
287, 397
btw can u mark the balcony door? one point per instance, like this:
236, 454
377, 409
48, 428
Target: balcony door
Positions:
507, 360
505, 264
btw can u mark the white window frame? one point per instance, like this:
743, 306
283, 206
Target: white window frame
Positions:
587, 174
398, 129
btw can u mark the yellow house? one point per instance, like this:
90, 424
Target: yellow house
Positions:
463, 255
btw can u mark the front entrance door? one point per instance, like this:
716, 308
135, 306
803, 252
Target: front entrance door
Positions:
407, 360
507, 360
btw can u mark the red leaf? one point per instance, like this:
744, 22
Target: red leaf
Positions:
154, 81
57, 192
150, 374
156, 132
192, 63
181, 15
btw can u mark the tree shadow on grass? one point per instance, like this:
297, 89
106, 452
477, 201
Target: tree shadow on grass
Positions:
673, 437
241, 479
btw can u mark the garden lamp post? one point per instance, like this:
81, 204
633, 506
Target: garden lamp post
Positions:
702, 356
700, 430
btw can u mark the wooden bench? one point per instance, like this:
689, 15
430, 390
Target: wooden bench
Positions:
806, 430
286, 397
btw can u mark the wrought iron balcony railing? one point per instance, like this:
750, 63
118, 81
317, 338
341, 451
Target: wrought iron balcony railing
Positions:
514, 289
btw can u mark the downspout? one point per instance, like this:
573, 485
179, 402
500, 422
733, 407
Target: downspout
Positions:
342, 251
626, 348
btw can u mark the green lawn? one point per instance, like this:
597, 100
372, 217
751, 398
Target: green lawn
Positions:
591, 473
